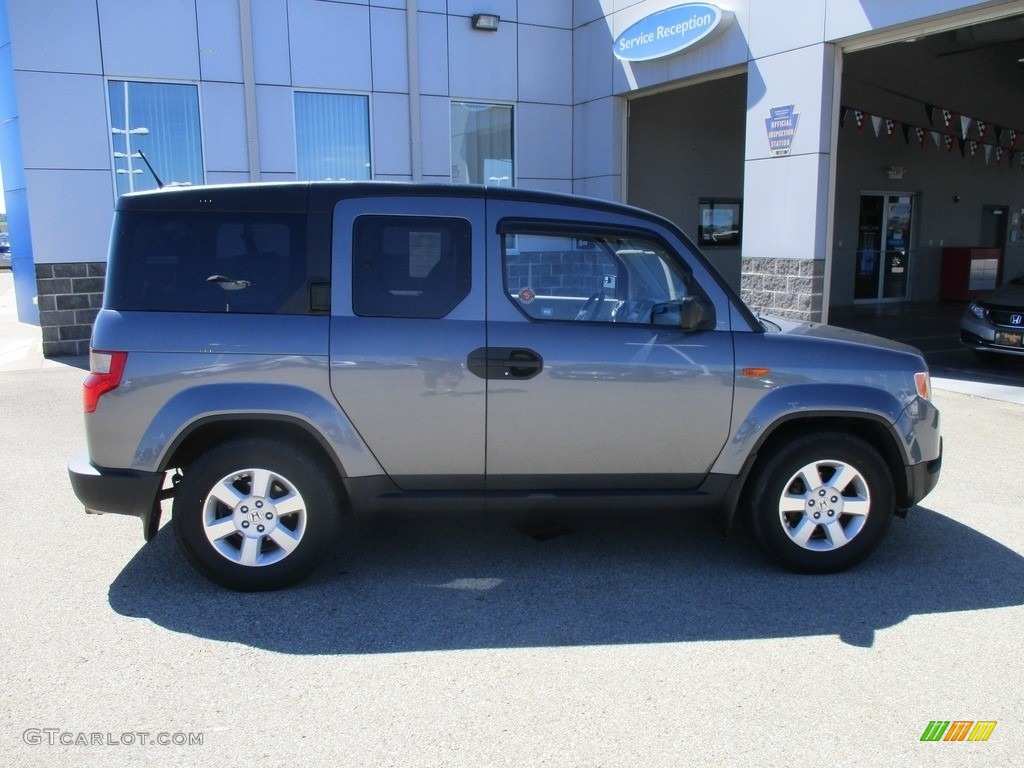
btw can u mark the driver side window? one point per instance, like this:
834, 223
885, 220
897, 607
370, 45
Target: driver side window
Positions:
604, 279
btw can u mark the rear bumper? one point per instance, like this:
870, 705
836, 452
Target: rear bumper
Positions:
117, 491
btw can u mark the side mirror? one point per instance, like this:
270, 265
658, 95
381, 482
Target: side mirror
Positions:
690, 313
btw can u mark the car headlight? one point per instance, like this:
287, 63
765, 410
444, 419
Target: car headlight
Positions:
977, 310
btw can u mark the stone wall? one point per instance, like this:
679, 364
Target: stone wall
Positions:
70, 296
784, 287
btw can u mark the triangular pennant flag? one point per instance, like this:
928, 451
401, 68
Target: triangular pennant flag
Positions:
1014, 138
999, 155
859, 117
965, 126
906, 133
982, 128
929, 110
947, 118
937, 138
876, 123
973, 146
988, 153
890, 128
843, 112
949, 143
921, 134
999, 134
963, 147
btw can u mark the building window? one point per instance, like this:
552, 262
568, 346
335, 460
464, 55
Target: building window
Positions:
332, 136
160, 120
482, 144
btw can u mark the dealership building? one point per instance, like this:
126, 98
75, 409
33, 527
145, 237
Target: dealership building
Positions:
823, 153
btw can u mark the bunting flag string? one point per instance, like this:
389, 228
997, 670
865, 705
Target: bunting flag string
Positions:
969, 134
965, 126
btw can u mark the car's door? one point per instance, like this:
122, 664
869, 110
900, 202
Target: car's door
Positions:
592, 382
407, 303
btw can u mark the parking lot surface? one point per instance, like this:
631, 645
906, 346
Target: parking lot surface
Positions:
591, 641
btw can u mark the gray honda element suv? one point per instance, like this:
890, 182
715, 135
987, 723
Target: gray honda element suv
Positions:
269, 356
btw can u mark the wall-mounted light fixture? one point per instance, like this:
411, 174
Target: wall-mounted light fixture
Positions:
488, 22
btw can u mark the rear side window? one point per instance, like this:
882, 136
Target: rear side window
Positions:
410, 266
210, 262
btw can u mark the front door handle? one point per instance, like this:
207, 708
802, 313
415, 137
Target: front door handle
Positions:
504, 363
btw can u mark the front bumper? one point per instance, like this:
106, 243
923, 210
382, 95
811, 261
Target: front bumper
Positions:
980, 335
922, 478
117, 491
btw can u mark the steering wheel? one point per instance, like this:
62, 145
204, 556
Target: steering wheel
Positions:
591, 306
638, 312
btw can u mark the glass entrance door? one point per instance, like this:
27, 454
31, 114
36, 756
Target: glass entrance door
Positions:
883, 247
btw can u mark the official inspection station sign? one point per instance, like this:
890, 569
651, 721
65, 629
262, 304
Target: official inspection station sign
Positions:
671, 31
781, 126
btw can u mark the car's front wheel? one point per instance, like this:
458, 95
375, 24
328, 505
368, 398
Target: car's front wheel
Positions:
822, 503
255, 514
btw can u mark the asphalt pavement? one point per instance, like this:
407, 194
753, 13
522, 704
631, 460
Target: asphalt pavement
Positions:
588, 641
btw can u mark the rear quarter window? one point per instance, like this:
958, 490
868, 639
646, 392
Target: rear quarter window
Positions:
210, 262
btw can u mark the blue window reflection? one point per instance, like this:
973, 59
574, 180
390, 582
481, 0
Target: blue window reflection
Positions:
332, 136
161, 120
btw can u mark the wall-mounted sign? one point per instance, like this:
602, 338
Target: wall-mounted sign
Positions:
781, 125
671, 31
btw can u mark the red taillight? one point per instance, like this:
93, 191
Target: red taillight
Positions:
105, 371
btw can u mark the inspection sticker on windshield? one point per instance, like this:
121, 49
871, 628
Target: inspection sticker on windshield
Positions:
526, 295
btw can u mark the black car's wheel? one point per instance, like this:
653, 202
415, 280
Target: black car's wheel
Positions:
255, 514
822, 503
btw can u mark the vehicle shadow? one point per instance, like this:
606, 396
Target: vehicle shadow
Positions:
400, 586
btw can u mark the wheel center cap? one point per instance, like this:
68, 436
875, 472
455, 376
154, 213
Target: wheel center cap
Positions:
255, 517
824, 504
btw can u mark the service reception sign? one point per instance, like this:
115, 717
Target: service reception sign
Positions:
670, 31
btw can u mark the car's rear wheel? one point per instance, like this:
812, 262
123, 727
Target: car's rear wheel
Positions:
255, 514
822, 503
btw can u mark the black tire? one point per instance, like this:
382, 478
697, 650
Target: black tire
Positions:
821, 529
255, 514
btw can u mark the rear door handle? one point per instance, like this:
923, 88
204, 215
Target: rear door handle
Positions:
504, 363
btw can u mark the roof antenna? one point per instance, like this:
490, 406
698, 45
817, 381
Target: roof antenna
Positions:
159, 184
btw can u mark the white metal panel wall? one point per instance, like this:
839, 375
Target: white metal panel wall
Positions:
220, 46
330, 45
482, 65
161, 43
71, 212
223, 116
55, 36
